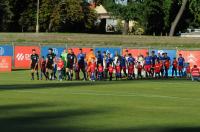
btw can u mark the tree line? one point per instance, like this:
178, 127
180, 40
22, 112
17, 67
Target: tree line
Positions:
154, 16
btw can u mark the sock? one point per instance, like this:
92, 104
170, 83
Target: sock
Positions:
37, 75
47, 75
32, 74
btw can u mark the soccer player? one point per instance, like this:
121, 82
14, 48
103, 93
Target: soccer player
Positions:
167, 64
157, 68
60, 66
64, 58
118, 70
181, 62
174, 67
131, 74
50, 59
104, 65
188, 70
92, 70
195, 73
130, 59
147, 64
100, 71
153, 59
81, 63
34, 64
42, 67
139, 68
109, 61
71, 61
77, 71
123, 65
110, 70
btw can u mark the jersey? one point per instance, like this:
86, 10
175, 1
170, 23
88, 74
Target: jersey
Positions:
131, 60
123, 62
195, 72
100, 59
71, 58
50, 58
118, 69
81, 58
148, 60
60, 65
131, 69
181, 61
175, 64
167, 62
100, 69
109, 61
110, 69
153, 59
157, 68
92, 67
34, 58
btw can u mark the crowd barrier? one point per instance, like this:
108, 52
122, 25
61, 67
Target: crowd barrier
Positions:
20, 54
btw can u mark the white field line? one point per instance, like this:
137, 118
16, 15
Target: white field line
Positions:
101, 93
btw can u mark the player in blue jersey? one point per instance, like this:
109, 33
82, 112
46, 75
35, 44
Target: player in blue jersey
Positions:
123, 65
181, 62
81, 63
109, 62
147, 64
153, 60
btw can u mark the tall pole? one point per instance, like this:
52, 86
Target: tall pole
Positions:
38, 9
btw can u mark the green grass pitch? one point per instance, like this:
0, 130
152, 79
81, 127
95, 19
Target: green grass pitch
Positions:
122, 106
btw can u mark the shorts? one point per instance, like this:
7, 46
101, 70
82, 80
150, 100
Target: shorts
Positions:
34, 66
147, 68
49, 66
81, 66
70, 65
180, 68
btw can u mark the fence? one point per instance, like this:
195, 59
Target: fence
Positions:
20, 52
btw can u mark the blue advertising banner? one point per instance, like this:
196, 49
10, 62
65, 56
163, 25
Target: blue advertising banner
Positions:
171, 53
6, 50
112, 51
56, 50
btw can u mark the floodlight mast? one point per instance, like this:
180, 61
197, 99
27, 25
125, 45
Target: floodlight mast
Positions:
38, 10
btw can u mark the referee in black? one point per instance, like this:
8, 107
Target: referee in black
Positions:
34, 64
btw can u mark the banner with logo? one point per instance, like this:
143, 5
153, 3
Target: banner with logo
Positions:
112, 51
6, 50
56, 50
193, 57
85, 50
171, 53
5, 63
22, 55
136, 52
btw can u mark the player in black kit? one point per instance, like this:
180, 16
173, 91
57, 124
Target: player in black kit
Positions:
71, 61
50, 59
34, 64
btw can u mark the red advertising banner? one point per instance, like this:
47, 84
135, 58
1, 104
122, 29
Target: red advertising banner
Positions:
193, 57
76, 50
136, 52
5, 63
22, 56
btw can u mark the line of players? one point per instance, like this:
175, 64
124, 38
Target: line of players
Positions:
102, 66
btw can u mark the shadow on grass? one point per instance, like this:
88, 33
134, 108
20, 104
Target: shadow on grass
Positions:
67, 84
43, 117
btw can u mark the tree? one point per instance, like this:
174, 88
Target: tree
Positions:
154, 16
175, 22
5, 15
195, 10
131, 11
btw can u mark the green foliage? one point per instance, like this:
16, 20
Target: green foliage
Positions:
195, 10
5, 15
